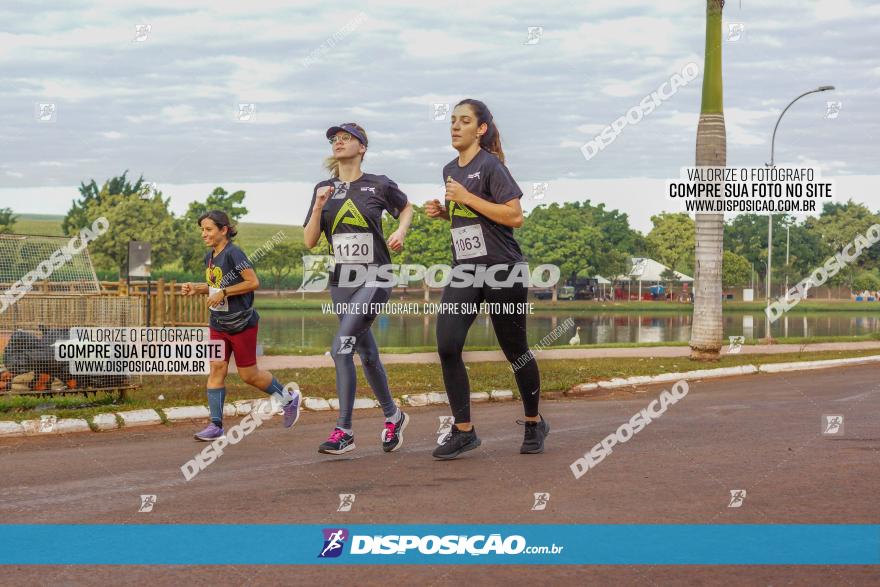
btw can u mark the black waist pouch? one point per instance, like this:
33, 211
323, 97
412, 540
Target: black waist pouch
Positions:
232, 322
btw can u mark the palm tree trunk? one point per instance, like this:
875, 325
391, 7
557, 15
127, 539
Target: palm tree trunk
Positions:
706, 333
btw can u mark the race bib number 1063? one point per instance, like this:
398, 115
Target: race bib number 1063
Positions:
468, 241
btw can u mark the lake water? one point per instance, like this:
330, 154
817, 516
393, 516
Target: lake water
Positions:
298, 328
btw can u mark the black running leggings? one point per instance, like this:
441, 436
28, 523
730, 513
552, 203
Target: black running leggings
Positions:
510, 329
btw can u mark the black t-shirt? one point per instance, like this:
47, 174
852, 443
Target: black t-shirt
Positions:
351, 219
224, 270
475, 238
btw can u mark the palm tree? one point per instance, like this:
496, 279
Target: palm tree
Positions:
711, 151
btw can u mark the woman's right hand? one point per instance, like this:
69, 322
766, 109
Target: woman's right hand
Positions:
434, 209
187, 289
322, 196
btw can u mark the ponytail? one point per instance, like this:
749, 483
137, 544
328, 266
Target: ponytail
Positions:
491, 141
331, 164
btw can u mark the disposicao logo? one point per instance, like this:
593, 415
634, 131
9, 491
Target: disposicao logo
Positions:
334, 541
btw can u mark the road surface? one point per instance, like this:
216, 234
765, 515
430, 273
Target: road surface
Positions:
760, 433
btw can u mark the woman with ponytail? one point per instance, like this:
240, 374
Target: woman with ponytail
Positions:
483, 207
230, 282
347, 209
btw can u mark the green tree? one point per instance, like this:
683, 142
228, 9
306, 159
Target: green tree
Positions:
222, 200
671, 241
735, 270
427, 242
132, 218
281, 260
7, 220
619, 241
558, 235
866, 280
746, 235
77, 217
612, 263
187, 233
838, 226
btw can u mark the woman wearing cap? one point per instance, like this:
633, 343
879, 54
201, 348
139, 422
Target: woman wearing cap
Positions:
347, 209
230, 282
483, 208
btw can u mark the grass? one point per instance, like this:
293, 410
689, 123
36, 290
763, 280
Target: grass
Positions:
556, 375
45, 224
252, 235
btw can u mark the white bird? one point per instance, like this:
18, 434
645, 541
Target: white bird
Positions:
576, 339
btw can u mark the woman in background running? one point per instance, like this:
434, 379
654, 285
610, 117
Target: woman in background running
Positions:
347, 209
483, 208
230, 282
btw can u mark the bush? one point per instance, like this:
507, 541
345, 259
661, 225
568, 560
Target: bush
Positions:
866, 280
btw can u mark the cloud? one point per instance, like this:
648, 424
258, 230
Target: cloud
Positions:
434, 44
748, 127
167, 106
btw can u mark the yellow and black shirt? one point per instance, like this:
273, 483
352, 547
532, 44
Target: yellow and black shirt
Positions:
475, 238
352, 219
224, 270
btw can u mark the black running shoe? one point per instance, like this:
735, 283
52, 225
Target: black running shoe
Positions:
392, 434
533, 441
338, 443
457, 442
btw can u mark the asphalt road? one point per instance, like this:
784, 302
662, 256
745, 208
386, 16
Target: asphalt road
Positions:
760, 433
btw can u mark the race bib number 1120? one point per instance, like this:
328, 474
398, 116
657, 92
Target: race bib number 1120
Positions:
353, 247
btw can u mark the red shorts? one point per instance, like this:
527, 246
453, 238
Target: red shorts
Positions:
242, 344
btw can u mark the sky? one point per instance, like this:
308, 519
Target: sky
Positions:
156, 90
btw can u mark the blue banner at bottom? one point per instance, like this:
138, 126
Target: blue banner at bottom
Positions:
551, 544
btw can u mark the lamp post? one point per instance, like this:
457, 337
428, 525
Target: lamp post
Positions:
787, 239
770, 216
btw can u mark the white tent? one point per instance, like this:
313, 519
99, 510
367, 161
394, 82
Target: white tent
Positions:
644, 269
603, 282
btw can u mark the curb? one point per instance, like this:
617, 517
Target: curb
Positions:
187, 413
139, 418
584, 388
780, 367
147, 417
150, 417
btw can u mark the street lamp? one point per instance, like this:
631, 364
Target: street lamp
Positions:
778, 120
770, 216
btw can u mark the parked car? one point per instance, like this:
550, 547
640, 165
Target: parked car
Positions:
566, 292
